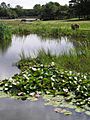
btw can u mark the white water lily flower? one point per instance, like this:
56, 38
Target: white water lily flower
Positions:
70, 72
34, 69
75, 78
75, 82
80, 80
85, 77
53, 76
62, 72
78, 73
70, 77
89, 99
6, 89
32, 94
65, 90
41, 65
10, 79
52, 79
17, 82
38, 69
14, 83
26, 76
6, 85
61, 75
52, 63
84, 87
10, 86
78, 87
41, 77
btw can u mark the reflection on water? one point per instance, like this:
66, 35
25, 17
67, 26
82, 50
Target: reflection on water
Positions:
30, 45
4, 45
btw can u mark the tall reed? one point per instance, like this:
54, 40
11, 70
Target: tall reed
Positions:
5, 32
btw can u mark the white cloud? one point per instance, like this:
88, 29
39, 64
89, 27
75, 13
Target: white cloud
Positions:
31, 3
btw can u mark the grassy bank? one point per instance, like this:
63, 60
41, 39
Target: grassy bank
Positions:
50, 28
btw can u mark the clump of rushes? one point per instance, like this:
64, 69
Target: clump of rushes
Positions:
5, 32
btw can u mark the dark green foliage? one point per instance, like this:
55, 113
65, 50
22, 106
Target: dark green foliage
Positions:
80, 8
55, 10
49, 11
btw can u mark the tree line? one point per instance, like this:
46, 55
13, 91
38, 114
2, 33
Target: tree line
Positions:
49, 11
80, 8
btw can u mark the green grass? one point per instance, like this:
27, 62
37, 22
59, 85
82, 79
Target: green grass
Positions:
5, 36
5, 32
50, 28
72, 61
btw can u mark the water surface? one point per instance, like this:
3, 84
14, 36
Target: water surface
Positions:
11, 109
30, 45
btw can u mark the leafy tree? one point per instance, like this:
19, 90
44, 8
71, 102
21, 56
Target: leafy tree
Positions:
3, 5
53, 10
80, 8
19, 10
37, 10
49, 11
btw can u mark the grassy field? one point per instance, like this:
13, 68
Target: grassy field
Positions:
50, 28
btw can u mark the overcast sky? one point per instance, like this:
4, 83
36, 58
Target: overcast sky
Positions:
31, 3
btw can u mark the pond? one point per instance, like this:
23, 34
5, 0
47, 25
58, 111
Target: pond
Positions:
30, 45
12, 109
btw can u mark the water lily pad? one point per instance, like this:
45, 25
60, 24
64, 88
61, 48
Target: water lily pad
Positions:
87, 112
60, 110
79, 110
67, 113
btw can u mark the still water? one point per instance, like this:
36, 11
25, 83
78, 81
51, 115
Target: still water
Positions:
30, 45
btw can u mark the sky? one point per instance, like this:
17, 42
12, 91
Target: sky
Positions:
30, 3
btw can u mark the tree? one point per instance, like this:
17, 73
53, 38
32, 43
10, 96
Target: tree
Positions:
54, 10
19, 10
49, 11
3, 5
37, 10
80, 8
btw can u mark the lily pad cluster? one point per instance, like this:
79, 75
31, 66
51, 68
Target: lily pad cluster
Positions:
38, 79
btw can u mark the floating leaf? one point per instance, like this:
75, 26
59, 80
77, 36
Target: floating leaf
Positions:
79, 110
87, 112
67, 113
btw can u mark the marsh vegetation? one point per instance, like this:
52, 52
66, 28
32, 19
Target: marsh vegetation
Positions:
66, 75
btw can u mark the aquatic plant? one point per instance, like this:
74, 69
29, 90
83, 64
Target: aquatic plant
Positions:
48, 79
5, 32
65, 88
